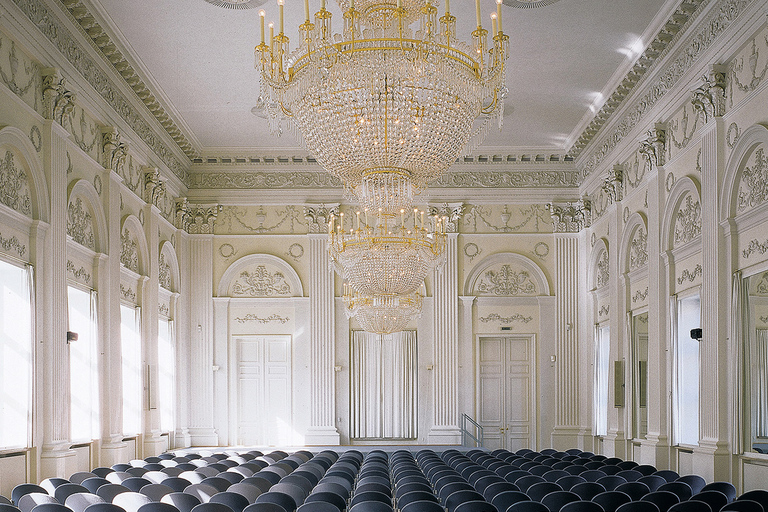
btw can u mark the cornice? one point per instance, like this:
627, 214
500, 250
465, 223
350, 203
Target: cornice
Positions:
51, 27
719, 18
240, 160
666, 39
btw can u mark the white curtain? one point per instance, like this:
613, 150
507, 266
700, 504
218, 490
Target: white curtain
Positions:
130, 341
676, 427
602, 363
83, 365
759, 363
739, 298
166, 356
383, 385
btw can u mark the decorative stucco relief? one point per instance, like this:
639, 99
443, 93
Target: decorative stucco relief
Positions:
718, 20
14, 186
80, 224
20, 74
604, 311
602, 272
260, 282
80, 274
640, 296
635, 169
761, 288
40, 14
127, 293
749, 68
687, 221
495, 317
505, 282
252, 317
753, 187
682, 127
638, 249
690, 276
165, 275
533, 218
236, 219
755, 247
13, 244
129, 251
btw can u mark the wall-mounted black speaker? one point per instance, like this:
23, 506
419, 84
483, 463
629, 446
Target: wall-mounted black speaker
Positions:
71, 336
696, 334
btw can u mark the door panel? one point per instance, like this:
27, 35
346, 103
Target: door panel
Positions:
506, 387
264, 390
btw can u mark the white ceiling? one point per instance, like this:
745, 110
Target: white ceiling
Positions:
199, 59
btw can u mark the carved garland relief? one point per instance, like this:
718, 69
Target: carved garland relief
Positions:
603, 273
165, 278
638, 249
129, 251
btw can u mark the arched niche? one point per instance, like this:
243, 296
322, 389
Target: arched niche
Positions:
134, 250
599, 274
260, 275
634, 244
681, 223
169, 267
507, 274
24, 159
749, 152
86, 222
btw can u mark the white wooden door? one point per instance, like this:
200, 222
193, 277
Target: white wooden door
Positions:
264, 390
506, 392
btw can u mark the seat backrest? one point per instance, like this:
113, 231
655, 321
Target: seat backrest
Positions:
33, 499
131, 501
318, 506
528, 506
743, 506
537, 491
611, 482
663, 499
587, 490
79, 501
652, 481
683, 490
22, 489
556, 500
157, 506
504, 500
475, 506
726, 488
64, 491
690, 506
182, 501
715, 499
278, 498
211, 507
237, 502
104, 507
155, 491
611, 500
638, 506
636, 490
759, 496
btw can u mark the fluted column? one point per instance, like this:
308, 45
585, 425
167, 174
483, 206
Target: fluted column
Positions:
322, 429
711, 457
445, 401
56, 351
153, 443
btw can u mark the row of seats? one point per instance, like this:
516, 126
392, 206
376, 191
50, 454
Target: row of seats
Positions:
476, 481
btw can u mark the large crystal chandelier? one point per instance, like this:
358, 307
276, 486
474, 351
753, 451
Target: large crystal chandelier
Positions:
386, 105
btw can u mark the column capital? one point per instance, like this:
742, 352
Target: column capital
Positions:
115, 152
709, 98
450, 211
196, 219
58, 100
318, 216
653, 146
154, 187
613, 184
571, 217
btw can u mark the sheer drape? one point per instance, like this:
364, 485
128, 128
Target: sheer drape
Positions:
166, 356
759, 363
383, 385
739, 298
83, 365
602, 364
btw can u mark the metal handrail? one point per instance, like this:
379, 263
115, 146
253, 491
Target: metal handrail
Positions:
466, 436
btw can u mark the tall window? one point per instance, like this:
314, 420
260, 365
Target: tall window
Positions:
130, 340
602, 365
758, 363
686, 384
15, 355
166, 356
83, 370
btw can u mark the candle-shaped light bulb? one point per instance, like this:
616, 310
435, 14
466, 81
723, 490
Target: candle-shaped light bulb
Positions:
280, 5
358, 219
415, 212
498, 14
322, 5
447, 6
306, 9
477, 11
402, 217
422, 220
330, 227
366, 217
271, 36
493, 23
261, 17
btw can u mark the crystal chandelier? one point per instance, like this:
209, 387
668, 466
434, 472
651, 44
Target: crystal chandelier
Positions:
385, 105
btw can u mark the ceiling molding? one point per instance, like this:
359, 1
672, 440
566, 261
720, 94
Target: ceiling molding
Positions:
112, 53
685, 57
243, 160
51, 27
669, 34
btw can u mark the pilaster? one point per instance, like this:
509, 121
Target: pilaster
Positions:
445, 419
56, 457
711, 457
153, 443
322, 429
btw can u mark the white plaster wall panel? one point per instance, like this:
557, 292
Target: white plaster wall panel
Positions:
473, 249
755, 474
13, 471
747, 70
14, 242
22, 72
